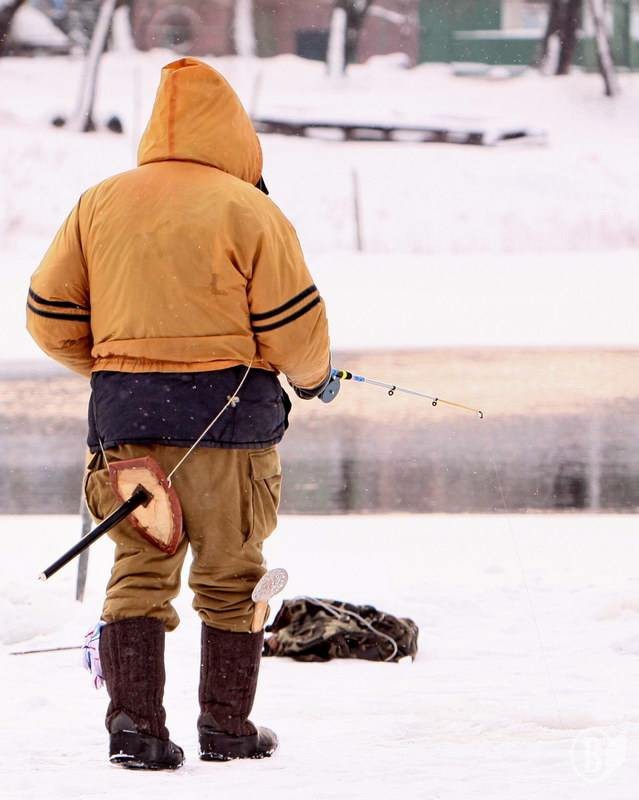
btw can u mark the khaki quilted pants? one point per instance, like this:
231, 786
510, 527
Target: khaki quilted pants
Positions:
229, 503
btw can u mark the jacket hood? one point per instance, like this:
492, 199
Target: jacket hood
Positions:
198, 117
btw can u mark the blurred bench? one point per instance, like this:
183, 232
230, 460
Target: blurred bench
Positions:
450, 130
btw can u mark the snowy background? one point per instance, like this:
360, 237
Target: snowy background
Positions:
519, 244
525, 685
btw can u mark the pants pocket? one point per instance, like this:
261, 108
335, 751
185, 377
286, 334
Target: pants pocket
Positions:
266, 482
98, 495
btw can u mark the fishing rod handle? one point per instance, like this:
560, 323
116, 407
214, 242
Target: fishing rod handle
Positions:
140, 497
345, 375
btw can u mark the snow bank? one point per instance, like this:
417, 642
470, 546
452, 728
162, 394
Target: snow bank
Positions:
525, 684
30, 26
514, 245
579, 192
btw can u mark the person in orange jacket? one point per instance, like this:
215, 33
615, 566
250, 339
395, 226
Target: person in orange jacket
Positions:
167, 285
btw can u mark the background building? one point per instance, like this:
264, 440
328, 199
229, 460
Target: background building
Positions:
480, 31
203, 27
511, 31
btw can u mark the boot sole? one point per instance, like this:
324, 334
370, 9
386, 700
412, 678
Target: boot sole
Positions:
135, 751
222, 747
228, 757
131, 762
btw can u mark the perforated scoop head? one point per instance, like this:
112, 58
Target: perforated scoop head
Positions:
269, 585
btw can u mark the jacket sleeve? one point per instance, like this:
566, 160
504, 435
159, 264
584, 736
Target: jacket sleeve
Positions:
288, 317
58, 310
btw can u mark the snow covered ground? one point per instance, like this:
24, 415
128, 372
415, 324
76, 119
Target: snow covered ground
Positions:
525, 685
521, 244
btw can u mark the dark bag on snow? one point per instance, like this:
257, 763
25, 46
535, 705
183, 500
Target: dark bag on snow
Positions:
313, 629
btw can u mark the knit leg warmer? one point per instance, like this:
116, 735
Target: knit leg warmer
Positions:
228, 680
132, 656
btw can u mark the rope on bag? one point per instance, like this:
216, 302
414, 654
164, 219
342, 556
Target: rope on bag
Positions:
337, 612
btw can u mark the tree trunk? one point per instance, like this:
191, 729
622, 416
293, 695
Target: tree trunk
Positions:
7, 12
243, 29
604, 55
336, 51
82, 118
346, 25
122, 29
570, 19
356, 11
560, 38
547, 57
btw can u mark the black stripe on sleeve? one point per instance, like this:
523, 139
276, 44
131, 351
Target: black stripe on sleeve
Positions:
286, 320
285, 306
56, 303
58, 315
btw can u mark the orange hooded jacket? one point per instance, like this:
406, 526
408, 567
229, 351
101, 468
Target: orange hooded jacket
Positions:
182, 264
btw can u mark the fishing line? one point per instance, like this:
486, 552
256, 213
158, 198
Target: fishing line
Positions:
391, 389
524, 582
231, 401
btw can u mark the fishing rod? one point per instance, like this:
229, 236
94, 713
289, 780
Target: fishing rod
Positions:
45, 650
345, 375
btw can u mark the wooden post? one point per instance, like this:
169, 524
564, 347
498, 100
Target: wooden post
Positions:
82, 117
83, 560
244, 29
336, 53
604, 55
357, 213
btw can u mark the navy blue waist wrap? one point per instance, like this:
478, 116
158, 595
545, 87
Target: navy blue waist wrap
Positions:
174, 408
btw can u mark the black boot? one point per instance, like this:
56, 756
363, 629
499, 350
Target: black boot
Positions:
228, 680
132, 656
